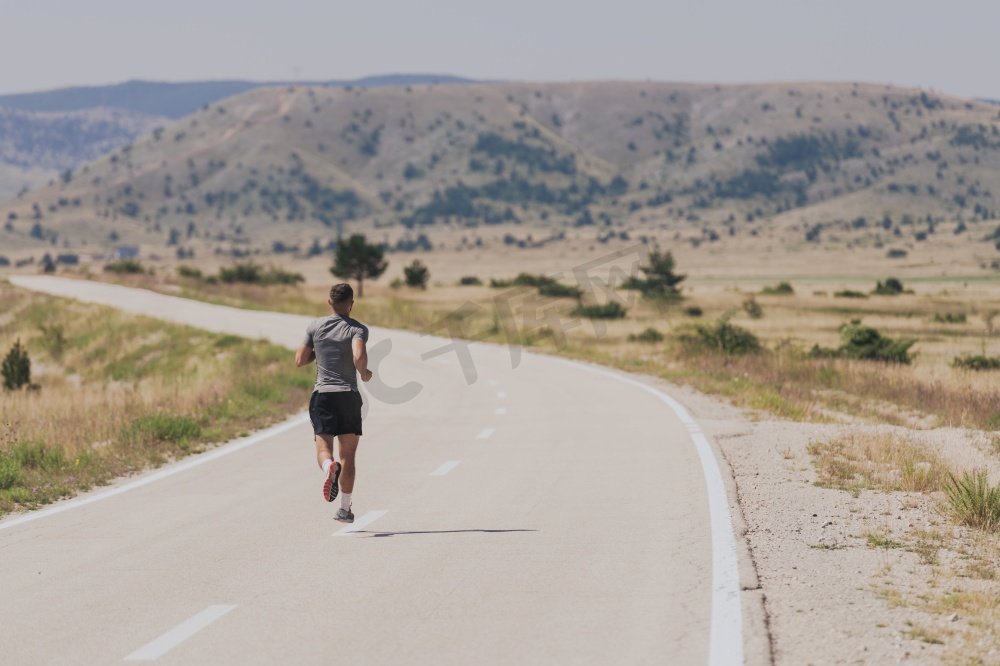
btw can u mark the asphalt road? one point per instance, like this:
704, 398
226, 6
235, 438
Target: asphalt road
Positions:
545, 513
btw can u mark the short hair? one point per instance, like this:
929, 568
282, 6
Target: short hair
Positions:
341, 294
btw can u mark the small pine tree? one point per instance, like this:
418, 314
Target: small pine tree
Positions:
416, 274
661, 281
357, 258
16, 368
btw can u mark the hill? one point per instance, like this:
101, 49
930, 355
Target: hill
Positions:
35, 147
800, 162
174, 100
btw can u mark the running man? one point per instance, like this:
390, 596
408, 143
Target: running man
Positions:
337, 344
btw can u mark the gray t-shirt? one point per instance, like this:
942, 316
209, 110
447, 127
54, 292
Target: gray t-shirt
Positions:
332, 338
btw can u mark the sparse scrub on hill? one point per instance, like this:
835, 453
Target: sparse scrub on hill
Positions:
865, 343
469, 281
849, 293
693, 311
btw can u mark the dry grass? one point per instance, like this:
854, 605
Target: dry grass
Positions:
120, 392
882, 461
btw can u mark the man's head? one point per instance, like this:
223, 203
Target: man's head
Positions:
341, 298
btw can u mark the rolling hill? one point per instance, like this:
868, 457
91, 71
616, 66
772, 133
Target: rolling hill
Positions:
805, 162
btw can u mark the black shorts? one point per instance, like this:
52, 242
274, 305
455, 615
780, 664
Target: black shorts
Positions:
336, 413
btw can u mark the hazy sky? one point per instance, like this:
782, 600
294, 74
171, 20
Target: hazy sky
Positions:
948, 46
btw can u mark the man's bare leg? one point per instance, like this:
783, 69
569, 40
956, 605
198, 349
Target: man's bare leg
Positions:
324, 449
348, 447
331, 471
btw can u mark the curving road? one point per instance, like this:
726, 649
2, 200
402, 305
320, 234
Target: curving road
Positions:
548, 513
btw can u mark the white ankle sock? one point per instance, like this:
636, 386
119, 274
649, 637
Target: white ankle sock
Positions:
326, 465
345, 501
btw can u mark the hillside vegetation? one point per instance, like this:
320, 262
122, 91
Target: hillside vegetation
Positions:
819, 163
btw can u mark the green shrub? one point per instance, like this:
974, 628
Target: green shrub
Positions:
973, 501
189, 272
780, 289
950, 318
866, 343
16, 368
469, 281
250, 273
722, 337
693, 311
163, 427
891, 287
977, 362
124, 267
752, 308
10, 472
417, 274
612, 310
648, 335
896, 253
37, 456
53, 340
849, 293
558, 290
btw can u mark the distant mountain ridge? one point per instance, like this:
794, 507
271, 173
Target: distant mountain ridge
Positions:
174, 100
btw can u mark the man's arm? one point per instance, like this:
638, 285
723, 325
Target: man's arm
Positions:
361, 359
304, 355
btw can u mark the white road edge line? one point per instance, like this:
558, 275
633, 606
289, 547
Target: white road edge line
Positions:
364, 521
725, 641
183, 466
165, 643
486, 433
500, 411
445, 468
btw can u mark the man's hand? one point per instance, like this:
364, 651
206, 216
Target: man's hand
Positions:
366, 376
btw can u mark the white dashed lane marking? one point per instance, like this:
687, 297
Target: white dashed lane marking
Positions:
445, 468
163, 644
486, 433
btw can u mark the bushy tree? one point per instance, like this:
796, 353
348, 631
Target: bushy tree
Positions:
358, 259
16, 368
417, 274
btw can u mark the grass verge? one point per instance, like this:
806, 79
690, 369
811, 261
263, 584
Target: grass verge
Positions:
119, 393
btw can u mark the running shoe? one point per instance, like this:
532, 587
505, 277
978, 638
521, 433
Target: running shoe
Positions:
330, 486
344, 516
